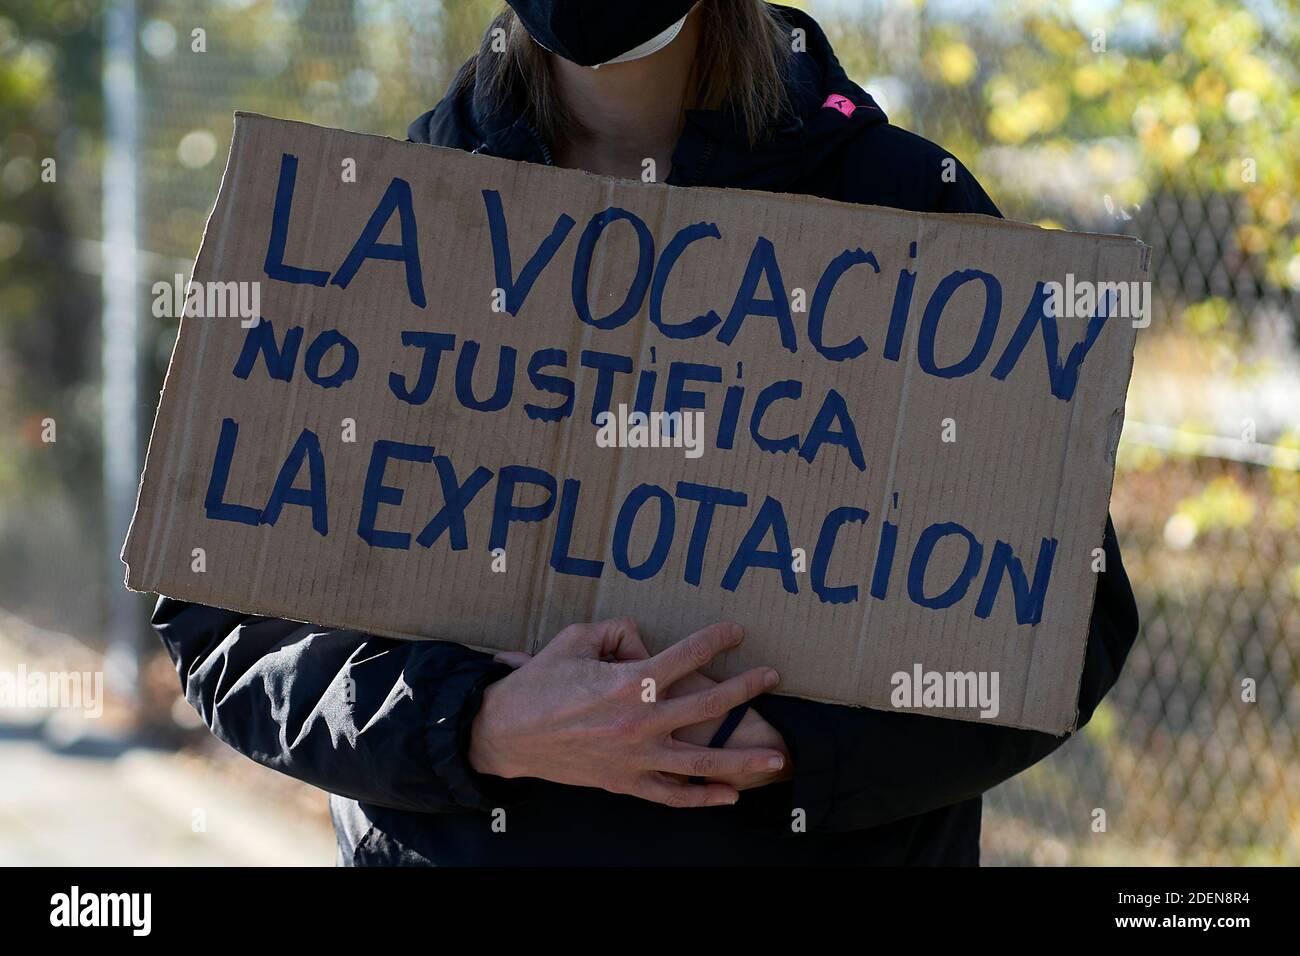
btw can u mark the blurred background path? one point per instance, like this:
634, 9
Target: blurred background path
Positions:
88, 792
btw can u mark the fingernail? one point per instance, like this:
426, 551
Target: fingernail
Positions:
737, 634
775, 763
771, 679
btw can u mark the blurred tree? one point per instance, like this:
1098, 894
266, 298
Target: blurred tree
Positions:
1200, 98
366, 65
49, 144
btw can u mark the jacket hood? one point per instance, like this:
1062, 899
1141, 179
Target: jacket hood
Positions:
827, 109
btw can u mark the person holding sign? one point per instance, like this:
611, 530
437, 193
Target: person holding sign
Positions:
594, 751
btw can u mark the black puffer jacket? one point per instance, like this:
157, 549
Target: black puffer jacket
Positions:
382, 724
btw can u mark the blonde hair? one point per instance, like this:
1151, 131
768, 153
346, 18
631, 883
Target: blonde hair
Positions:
742, 65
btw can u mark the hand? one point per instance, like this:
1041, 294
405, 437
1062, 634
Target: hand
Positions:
577, 714
752, 731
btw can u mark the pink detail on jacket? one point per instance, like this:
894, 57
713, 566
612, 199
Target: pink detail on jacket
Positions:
841, 103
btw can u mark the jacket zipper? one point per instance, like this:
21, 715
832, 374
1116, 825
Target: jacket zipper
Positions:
705, 157
541, 143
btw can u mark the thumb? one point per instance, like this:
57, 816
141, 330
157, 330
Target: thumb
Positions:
513, 658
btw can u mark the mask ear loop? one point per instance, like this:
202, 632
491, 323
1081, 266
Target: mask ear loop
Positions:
651, 46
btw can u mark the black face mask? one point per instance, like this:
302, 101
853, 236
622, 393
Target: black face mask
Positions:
589, 32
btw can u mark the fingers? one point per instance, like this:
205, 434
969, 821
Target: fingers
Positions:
671, 793
713, 703
688, 685
694, 652
692, 761
513, 658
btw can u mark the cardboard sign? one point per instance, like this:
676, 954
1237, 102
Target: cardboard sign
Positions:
889, 454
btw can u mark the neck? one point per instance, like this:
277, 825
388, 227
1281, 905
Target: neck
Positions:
628, 112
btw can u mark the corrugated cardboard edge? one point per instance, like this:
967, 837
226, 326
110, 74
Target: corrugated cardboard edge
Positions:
1116, 428
132, 575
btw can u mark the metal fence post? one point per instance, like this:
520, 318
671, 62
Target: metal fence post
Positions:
120, 334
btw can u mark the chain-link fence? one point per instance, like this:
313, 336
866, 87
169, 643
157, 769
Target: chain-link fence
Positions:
1193, 756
